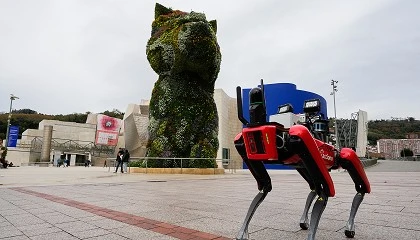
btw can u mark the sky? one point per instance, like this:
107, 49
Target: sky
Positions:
77, 56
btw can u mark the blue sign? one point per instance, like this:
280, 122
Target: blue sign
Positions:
13, 136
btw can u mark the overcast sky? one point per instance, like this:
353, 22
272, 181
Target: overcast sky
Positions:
72, 56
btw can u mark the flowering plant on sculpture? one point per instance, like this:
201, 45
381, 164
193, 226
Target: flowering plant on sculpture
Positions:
184, 52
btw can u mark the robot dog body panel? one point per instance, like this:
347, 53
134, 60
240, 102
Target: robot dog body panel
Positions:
352, 164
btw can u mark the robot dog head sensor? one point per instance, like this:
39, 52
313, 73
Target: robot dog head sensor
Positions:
285, 108
312, 106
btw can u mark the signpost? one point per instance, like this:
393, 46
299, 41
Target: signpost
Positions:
13, 136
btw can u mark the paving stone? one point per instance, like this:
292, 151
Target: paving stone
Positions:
76, 213
214, 226
76, 226
8, 206
9, 212
9, 231
55, 235
32, 206
383, 232
5, 224
163, 237
108, 237
109, 224
23, 219
21, 237
56, 218
274, 234
41, 231
171, 216
96, 232
136, 209
31, 227
36, 211
92, 218
132, 232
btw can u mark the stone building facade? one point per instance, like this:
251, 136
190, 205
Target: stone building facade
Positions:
70, 140
391, 148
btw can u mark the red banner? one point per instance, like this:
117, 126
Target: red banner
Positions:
107, 130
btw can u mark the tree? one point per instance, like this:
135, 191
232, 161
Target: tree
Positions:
115, 113
373, 137
406, 152
25, 111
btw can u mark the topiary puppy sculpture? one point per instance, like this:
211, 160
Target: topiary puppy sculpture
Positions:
183, 119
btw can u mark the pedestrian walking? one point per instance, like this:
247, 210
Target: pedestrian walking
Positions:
88, 161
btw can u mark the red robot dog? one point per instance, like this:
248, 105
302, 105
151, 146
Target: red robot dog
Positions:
302, 146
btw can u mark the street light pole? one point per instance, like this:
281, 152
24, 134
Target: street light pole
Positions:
12, 97
334, 90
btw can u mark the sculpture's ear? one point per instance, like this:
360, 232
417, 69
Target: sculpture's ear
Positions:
161, 10
213, 24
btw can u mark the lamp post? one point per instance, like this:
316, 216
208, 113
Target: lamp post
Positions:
334, 90
12, 97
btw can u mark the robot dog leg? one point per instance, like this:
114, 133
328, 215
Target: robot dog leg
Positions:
349, 161
317, 210
260, 174
243, 232
304, 220
303, 144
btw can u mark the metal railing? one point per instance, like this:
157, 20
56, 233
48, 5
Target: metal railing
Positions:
37, 164
157, 162
70, 146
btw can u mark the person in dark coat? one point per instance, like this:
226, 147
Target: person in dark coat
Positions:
119, 160
125, 159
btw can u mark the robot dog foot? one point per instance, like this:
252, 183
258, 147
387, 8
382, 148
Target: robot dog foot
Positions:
243, 233
304, 220
357, 200
317, 211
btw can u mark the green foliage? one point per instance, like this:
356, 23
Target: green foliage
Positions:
373, 137
73, 117
178, 163
161, 10
406, 153
392, 129
138, 163
25, 111
183, 120
205, 150
203, 163
115, 113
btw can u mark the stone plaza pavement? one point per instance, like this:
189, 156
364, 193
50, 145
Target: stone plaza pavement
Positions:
94, 203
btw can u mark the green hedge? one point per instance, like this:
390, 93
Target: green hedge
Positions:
175, 163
